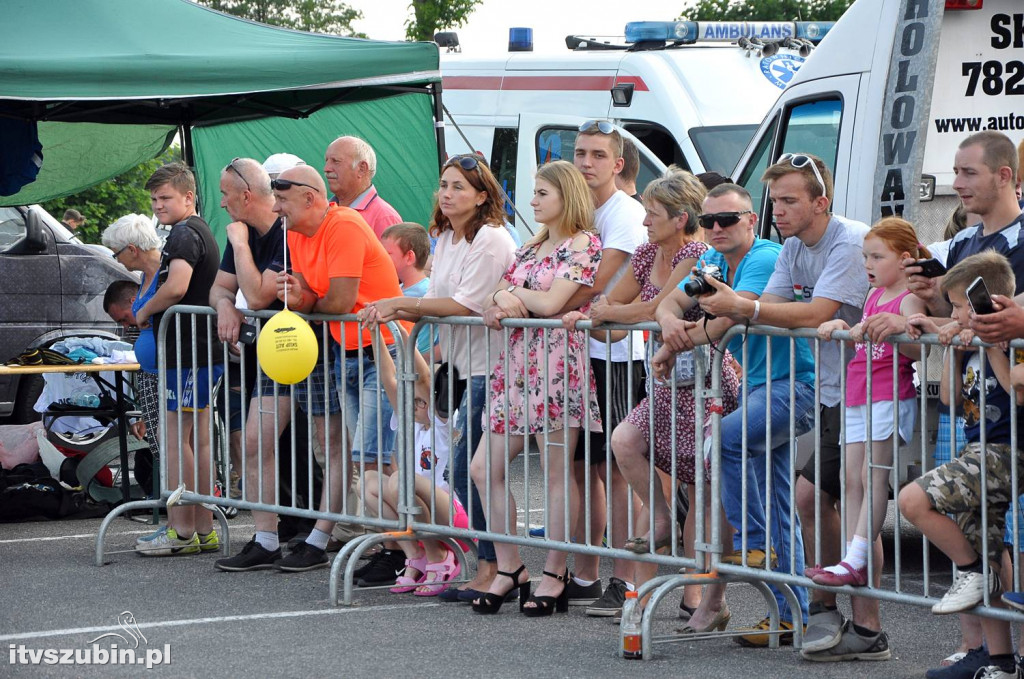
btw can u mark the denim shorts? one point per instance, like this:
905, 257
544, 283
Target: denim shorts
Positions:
370, 425
311, 395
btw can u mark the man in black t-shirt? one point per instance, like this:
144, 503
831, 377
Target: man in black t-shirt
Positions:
188, 266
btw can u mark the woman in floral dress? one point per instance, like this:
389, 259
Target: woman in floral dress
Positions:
537, 383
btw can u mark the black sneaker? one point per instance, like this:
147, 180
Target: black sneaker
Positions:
611, 601
580, 595
369, 565
853, 646
253, 557
305, 557
383, 569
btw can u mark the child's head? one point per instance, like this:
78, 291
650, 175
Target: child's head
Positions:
890, 241
172, 193
993, 268
408, 245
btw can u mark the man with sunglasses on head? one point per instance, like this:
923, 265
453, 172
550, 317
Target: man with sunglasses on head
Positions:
338, 267
619, 221
349, 166
747, 263
819, 276
253, 258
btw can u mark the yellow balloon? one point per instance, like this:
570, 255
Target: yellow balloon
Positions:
287, 348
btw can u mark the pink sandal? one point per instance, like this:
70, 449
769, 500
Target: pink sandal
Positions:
852, 577
405, 583
438, 574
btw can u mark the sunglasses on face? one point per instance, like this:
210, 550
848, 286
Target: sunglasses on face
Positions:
118, 253
723, 219
231, 166
467, 163
285, 184
603, 126
800, 161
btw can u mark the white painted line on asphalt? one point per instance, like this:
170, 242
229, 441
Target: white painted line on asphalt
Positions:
92, 535
206, 621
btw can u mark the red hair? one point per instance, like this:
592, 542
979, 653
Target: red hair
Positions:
899, 236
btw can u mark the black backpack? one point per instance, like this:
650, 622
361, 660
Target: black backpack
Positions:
28, 491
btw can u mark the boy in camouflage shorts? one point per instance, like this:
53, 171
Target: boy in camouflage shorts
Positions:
956, 487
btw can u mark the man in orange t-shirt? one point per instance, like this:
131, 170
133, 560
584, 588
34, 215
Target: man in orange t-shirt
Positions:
339, 266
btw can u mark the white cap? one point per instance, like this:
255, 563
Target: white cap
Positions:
279, 162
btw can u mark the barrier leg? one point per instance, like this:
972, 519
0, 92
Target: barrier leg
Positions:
116, 512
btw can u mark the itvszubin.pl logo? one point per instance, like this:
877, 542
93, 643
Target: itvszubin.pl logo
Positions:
113, 648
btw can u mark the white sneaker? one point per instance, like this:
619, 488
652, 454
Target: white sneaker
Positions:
993, 672
168, 543
968, 591
147, 539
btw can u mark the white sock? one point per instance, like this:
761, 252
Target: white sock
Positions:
268, 540
583, 583
318, 538
856, 556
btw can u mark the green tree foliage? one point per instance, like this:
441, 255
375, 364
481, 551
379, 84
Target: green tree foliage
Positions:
114, 198
430, 16
766, 10
316, 16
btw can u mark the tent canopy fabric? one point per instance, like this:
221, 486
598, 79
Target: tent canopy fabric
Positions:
139, 69
172, 61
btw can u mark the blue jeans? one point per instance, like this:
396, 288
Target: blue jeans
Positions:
732, 476
465, 439
369, 443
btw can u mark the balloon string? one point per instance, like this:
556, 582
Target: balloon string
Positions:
287, 269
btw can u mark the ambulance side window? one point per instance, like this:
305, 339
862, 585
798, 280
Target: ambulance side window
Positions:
750, 178
555, 143
503, 162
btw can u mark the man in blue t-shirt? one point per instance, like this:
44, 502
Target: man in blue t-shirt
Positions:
748, 263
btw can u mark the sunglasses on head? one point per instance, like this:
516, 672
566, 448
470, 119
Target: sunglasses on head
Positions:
231, 166
285, 184
799, 161
603, 126
467, 163
723, 219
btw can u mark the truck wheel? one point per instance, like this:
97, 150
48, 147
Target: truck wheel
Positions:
29, 389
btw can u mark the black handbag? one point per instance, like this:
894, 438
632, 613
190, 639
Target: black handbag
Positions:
441, 393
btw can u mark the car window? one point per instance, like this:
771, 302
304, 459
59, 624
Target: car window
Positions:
503, 163
12, 227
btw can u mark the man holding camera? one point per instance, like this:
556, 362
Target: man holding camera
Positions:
746, 263
819, 276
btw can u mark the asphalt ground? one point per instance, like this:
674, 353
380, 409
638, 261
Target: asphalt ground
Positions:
271, 624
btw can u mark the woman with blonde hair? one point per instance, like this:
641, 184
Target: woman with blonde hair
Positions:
538, 383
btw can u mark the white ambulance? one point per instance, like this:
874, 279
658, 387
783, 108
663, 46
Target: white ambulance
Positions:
691, 93
888, 96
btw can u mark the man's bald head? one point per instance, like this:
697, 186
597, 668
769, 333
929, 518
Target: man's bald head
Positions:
304, 202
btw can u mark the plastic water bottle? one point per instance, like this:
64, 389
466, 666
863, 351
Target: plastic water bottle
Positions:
630, 628
86, 400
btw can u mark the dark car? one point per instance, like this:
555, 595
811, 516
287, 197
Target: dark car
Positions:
51, 287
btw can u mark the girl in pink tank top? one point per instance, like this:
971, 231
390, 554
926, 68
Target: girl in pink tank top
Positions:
889, 242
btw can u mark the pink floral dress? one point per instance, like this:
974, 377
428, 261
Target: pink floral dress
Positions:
686, 402
545, 389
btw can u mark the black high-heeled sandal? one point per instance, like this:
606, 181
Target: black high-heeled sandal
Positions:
546, 605
490, 603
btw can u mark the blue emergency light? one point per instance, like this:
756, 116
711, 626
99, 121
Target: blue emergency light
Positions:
520, 39
676, 31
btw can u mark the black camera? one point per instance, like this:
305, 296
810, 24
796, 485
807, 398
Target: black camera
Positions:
698, 284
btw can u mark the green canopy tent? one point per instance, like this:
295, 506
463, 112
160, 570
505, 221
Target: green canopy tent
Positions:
110, 82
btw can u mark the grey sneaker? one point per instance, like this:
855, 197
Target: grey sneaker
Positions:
824, 628
968, 591
611, 601
852, 646
994, 672
583, 596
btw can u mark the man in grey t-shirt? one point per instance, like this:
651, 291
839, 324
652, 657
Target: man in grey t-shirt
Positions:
819, 276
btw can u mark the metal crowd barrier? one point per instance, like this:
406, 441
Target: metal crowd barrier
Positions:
703, 567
